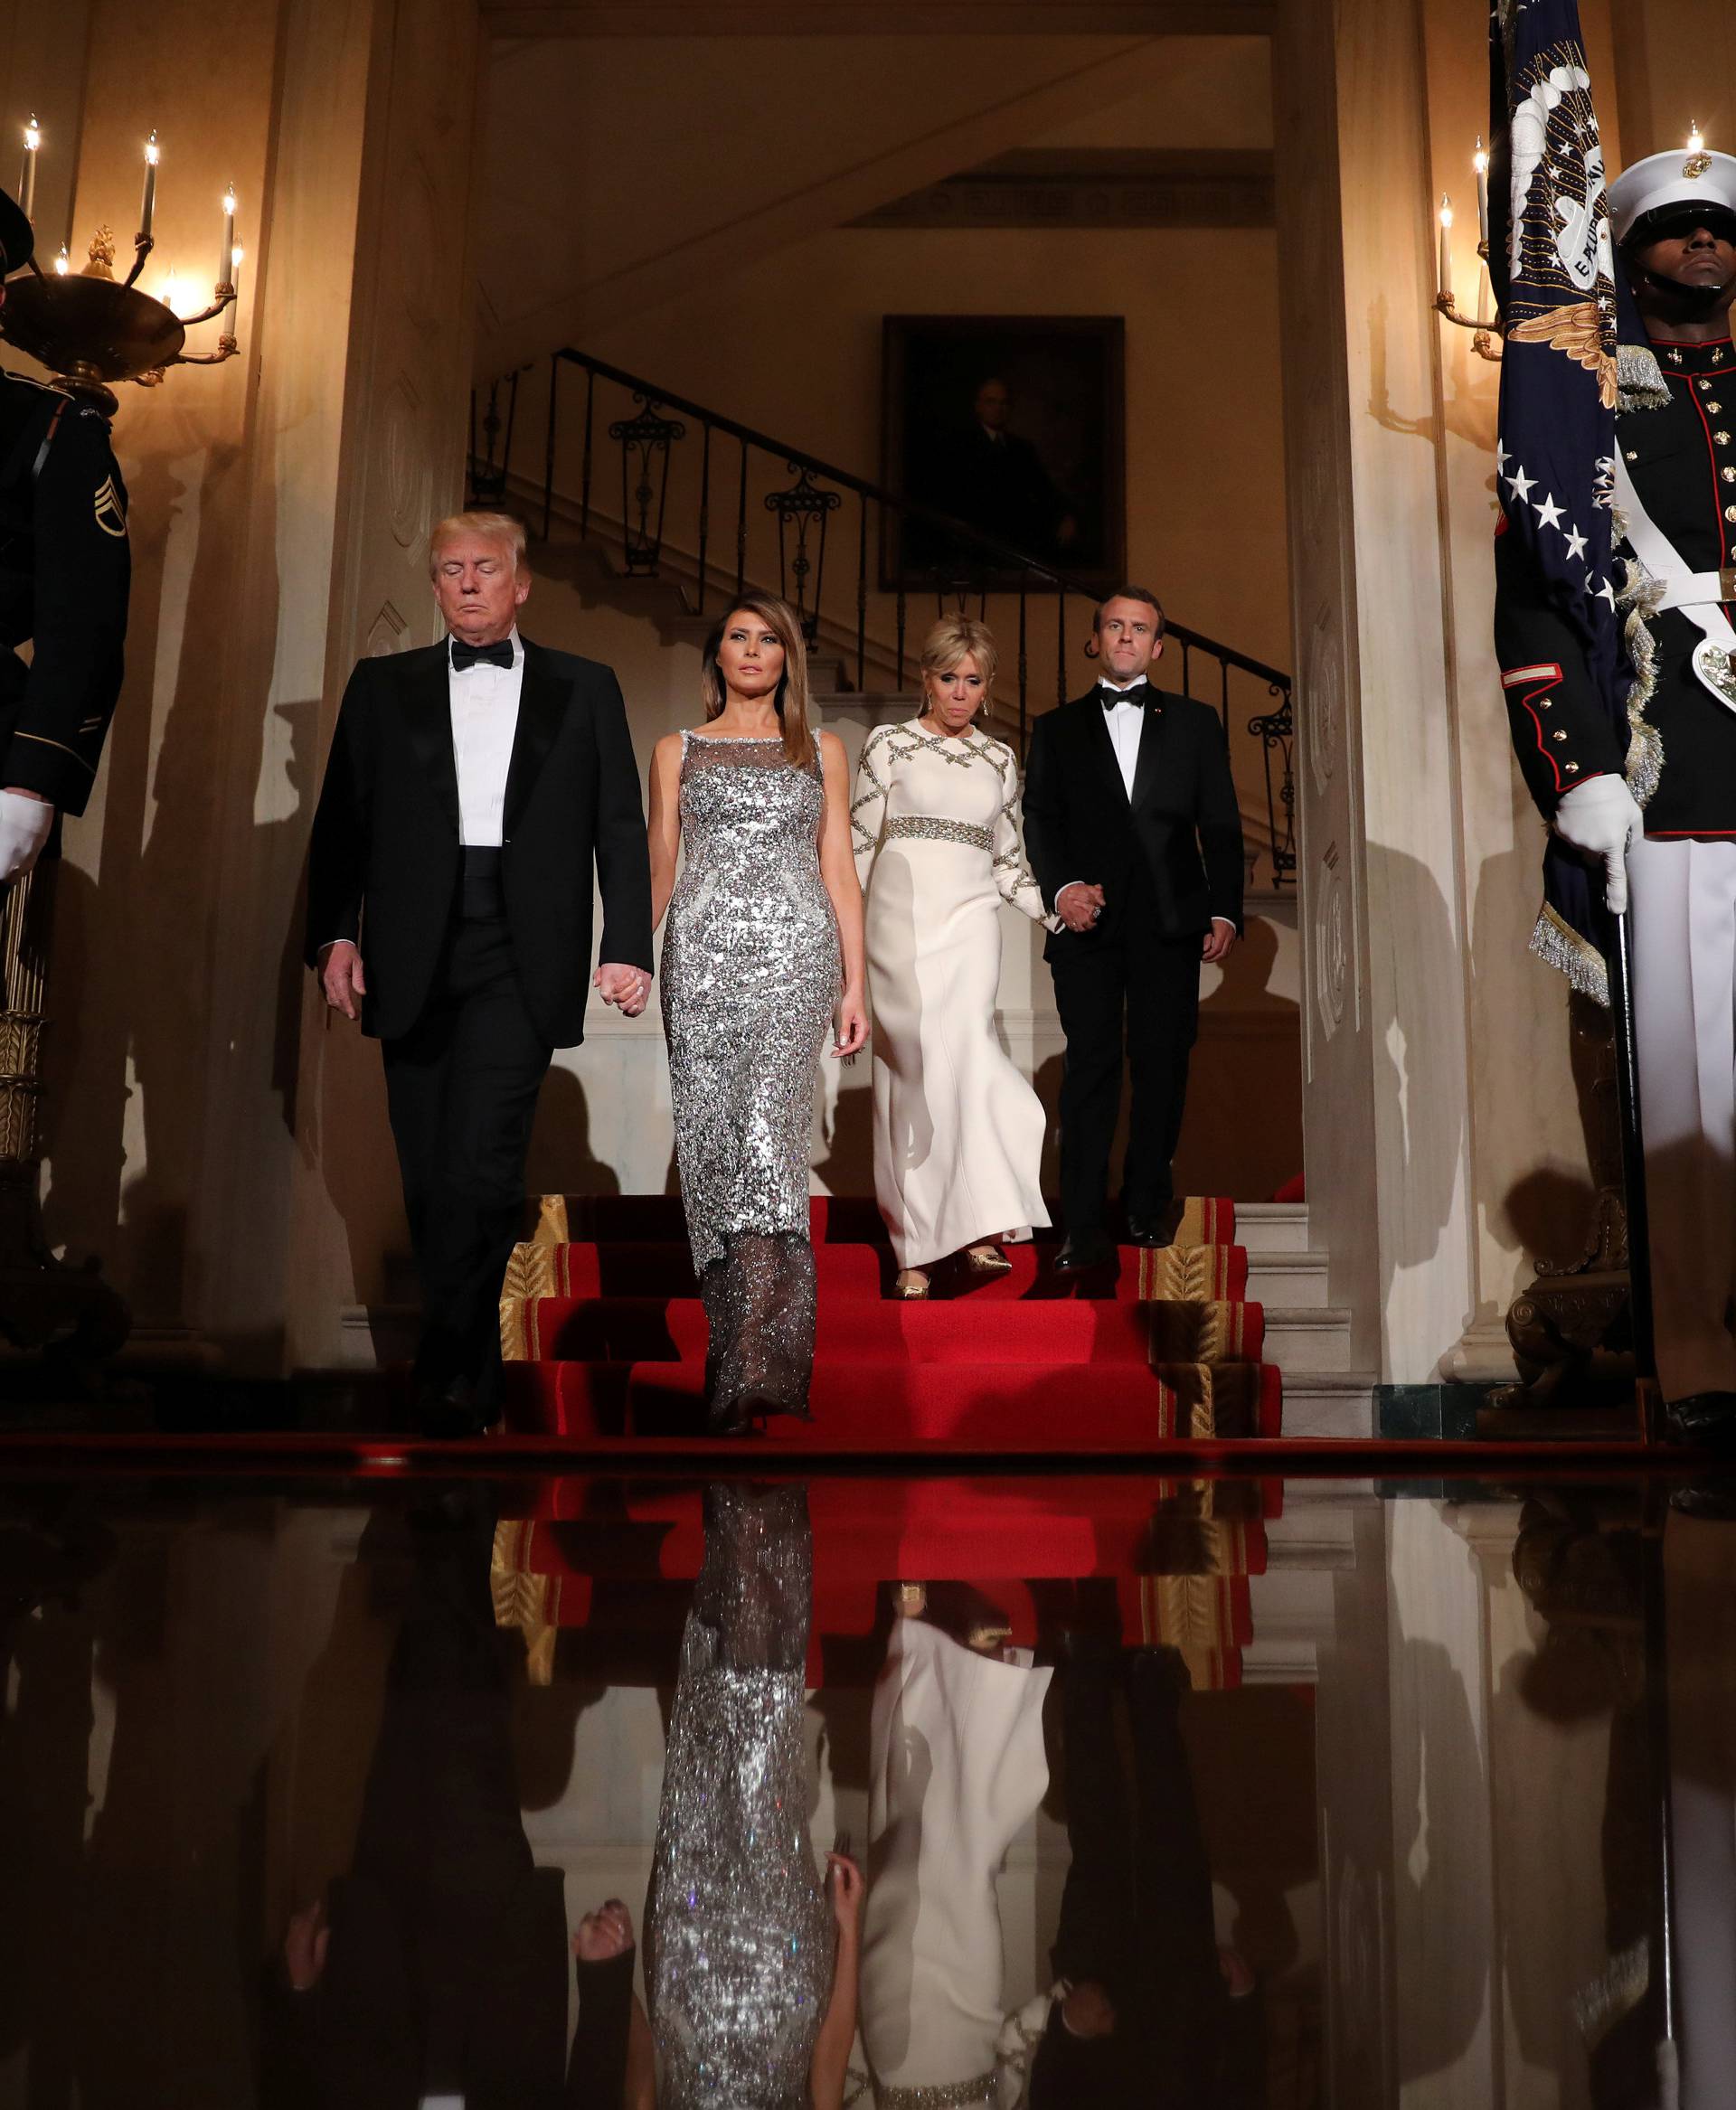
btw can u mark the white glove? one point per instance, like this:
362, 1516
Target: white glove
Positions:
24, 825
1602, 818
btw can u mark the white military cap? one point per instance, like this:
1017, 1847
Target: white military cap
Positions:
1684, 177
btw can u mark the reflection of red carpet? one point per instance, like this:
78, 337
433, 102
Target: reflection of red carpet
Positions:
610, 1567
605, 1338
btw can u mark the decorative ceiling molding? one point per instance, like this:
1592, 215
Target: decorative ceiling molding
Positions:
1096, 187
731, 18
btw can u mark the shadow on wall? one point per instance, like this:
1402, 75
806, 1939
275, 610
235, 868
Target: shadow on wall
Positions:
562, 1160
1408, 910
1242, 1132
1550, 1211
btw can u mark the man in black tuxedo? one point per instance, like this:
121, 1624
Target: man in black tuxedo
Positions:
435, 1972
1134, 834
472, 787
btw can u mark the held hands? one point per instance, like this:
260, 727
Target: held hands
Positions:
341, 979
1078, 906
605, 1933
628, 987
25, 821
850, 1031
306, 1942
1602, 818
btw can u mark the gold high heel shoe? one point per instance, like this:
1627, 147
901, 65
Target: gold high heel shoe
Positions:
910, 1285
987, 1261
909, 1600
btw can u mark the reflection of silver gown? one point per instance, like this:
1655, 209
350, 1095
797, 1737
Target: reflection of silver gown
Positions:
739, 1935
749, 978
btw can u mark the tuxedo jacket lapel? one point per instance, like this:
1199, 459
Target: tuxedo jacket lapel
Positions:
427, 703
542, 701
1144, 768
1102, 750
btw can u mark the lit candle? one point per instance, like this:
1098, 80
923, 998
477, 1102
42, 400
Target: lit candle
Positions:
62, 263
27, 181
235, 255
225, 256
1696, 144
147, 211
1445, 267
1480, 163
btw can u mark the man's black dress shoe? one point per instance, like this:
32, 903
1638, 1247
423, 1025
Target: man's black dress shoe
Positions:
1158, 1229
1705, 1420
1090, 1249
451, 1412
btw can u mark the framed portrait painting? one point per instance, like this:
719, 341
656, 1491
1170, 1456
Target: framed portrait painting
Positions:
1014, 425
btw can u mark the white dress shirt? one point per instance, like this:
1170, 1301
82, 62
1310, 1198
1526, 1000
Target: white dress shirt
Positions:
484, 719
1126, 722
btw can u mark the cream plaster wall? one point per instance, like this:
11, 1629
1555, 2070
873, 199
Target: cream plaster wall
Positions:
624, 172
183, 1097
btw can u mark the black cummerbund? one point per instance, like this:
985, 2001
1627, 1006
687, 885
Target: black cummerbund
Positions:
480, 891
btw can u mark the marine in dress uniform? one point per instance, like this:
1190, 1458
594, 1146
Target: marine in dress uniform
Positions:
65, 573
1654, 796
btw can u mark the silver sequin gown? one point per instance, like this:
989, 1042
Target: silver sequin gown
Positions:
751, 978
739, 1937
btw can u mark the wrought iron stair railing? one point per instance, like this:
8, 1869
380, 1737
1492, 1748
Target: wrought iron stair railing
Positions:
777, 527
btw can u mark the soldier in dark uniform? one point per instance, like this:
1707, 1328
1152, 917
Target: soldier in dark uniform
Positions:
65, 569
1651, 792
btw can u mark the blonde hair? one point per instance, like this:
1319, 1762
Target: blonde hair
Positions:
791, 701
959, 637
493, 527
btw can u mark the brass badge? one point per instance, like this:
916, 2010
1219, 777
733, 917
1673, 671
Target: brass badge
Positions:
1712, 663
111, 514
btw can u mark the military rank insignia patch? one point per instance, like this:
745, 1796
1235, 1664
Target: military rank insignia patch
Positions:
111, 514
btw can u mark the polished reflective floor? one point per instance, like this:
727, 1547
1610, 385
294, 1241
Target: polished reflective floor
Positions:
1112, 1789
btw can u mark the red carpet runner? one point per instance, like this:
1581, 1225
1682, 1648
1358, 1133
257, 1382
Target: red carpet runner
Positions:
603, 1570
605, 1339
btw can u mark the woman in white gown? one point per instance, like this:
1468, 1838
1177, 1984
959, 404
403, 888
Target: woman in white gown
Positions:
957, 1770
935, 823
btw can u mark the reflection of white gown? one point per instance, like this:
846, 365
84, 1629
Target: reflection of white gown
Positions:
958, 1131
957, 1769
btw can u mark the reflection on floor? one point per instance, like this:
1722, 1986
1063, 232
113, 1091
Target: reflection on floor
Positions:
1161, 1791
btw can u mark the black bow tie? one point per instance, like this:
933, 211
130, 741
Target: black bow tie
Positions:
463, 655
1140, 692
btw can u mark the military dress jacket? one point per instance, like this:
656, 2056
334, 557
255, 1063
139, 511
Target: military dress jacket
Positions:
1677, 749
65, 575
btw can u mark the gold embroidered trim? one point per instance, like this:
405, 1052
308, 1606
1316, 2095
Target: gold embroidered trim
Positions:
89, 767
1560, 947
932, 828
1644, 767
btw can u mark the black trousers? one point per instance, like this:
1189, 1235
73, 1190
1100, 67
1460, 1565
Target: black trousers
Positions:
462, 1086
1135, 1909
1123, 989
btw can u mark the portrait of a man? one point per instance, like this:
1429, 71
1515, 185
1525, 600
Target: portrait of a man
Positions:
1012, 425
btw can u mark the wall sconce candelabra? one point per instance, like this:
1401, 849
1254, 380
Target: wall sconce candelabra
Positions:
89, 328
1486, 341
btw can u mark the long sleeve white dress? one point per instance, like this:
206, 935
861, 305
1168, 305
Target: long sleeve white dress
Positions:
957, 1770
958, 1131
